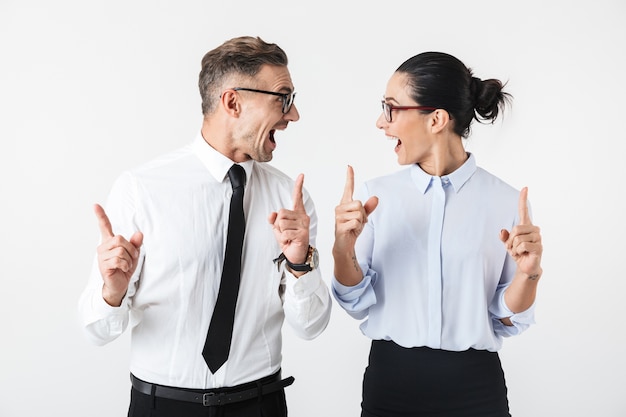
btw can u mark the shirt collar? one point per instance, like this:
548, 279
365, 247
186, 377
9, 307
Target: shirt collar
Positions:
216, 163
457, 178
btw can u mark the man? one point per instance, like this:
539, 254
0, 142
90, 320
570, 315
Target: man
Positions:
164, 234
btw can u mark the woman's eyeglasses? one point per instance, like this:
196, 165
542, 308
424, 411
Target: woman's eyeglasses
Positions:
388, 108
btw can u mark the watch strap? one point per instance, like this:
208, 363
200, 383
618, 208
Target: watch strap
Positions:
305, 267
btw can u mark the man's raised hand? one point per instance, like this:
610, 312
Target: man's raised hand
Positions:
117, 259
291, 227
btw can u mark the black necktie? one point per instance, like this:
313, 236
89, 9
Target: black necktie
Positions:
217, 344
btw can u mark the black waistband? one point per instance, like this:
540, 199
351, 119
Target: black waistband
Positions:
213, 397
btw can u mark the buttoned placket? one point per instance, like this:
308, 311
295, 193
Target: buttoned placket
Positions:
435, 284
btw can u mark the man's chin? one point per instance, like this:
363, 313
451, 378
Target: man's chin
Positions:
264, 157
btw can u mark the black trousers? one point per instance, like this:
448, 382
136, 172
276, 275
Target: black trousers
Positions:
269, 405
401, 382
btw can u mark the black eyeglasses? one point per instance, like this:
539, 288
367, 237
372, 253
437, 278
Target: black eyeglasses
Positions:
388, 108
287, 98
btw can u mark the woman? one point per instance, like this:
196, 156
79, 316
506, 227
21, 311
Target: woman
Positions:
442, 260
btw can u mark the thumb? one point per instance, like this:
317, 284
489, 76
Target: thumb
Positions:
137, 239
504, 235
370, 205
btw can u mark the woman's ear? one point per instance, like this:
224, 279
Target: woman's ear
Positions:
439, 120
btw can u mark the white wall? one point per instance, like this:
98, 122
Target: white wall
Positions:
90, 88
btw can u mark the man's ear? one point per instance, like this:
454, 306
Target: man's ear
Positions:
439, 120
230, 102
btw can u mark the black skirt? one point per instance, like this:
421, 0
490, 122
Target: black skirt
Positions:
413, 382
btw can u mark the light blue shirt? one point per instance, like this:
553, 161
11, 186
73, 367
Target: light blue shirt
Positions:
435, 270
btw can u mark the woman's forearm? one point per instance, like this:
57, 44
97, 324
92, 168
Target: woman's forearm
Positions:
347, 269
521, 294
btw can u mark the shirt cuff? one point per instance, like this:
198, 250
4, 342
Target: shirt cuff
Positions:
351, 293
304, 286
521, 321
526, 316
101, 308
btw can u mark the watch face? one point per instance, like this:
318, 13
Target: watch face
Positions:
312, 262
314, 258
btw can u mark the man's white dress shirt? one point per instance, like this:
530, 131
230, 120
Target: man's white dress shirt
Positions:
180, 202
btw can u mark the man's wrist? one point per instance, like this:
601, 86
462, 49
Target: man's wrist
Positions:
114, 300
311, 262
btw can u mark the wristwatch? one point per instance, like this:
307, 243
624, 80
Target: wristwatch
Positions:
312, 261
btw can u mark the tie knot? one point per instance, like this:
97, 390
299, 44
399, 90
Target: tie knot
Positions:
237, 176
